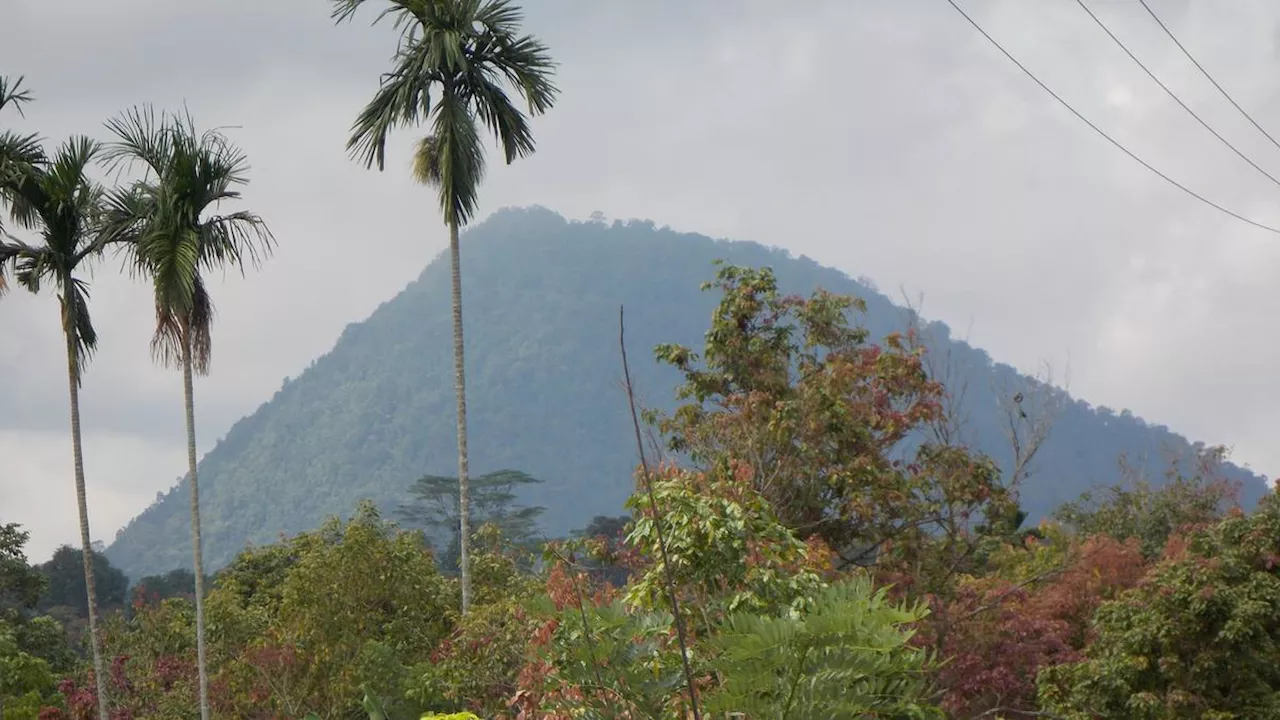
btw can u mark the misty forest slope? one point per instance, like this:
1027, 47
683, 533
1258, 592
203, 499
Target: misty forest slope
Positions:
541, 305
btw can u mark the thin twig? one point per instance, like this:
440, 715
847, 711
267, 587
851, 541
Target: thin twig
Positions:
657, 522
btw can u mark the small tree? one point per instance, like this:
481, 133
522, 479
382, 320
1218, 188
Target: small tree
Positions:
493, 502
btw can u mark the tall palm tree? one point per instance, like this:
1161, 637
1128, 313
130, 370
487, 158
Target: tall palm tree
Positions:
169, 224
58, 201
462, 54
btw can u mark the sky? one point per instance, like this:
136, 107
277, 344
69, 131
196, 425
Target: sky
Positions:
886, 138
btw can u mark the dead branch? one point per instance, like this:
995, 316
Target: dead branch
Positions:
657, 522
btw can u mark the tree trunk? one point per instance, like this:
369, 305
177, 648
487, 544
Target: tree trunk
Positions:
460, 388
196, 545
86, 545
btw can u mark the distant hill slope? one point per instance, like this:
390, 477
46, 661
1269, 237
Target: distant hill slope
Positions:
541, 303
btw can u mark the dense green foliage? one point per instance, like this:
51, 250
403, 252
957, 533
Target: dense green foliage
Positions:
65, 587
33, 649
1200, 638
1142, 601
846, 657
375, 414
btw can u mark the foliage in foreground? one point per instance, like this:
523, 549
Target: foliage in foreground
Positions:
1200, 637
847, 655
863, 615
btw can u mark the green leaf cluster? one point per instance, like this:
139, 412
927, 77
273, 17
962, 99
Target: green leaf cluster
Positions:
727, 549
847, 656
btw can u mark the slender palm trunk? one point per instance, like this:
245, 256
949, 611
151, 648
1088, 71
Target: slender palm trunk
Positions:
86, 545
460, 388
188, 395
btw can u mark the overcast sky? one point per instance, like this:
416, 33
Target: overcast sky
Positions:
882, 137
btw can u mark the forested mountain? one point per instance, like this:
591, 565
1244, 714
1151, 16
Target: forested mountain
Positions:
541, 304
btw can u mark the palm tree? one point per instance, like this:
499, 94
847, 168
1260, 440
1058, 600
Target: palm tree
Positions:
62, 204
170, 227
461, 53
19, 153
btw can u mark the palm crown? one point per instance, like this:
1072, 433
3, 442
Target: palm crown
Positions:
19, 154
464, 52
63, 205
165, 223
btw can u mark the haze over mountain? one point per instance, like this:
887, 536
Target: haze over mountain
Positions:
541, 298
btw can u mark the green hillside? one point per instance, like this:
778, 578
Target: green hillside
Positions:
541, 303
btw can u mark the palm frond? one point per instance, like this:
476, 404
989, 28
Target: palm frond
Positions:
172, 330
228, 240
522, 59
20, 155
461, 53
345, 9
403, 98
74, 301
124, 218
140, 137
509, 126
12, 93
18, 152
9, 253
200, 329
461, 158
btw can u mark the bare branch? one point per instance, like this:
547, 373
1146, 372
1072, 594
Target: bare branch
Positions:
943, 365
1029, 406
657, 522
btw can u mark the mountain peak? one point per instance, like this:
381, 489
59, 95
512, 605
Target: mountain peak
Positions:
540, 298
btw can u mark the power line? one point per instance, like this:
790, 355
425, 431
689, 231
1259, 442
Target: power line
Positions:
1171, 94
1104, 134
1204, 72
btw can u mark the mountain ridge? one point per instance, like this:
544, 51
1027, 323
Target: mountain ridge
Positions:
541, 298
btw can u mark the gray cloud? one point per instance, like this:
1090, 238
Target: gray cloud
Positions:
884, 137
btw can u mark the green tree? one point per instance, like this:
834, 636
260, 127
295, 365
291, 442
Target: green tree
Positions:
310, 623
178, 583
789, 395
1198, 638
463, 52
493, 501
20, 584
26, 681
477, 667
65, 588
29, 647
174, 232
61, 204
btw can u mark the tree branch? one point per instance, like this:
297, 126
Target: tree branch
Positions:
657, 523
